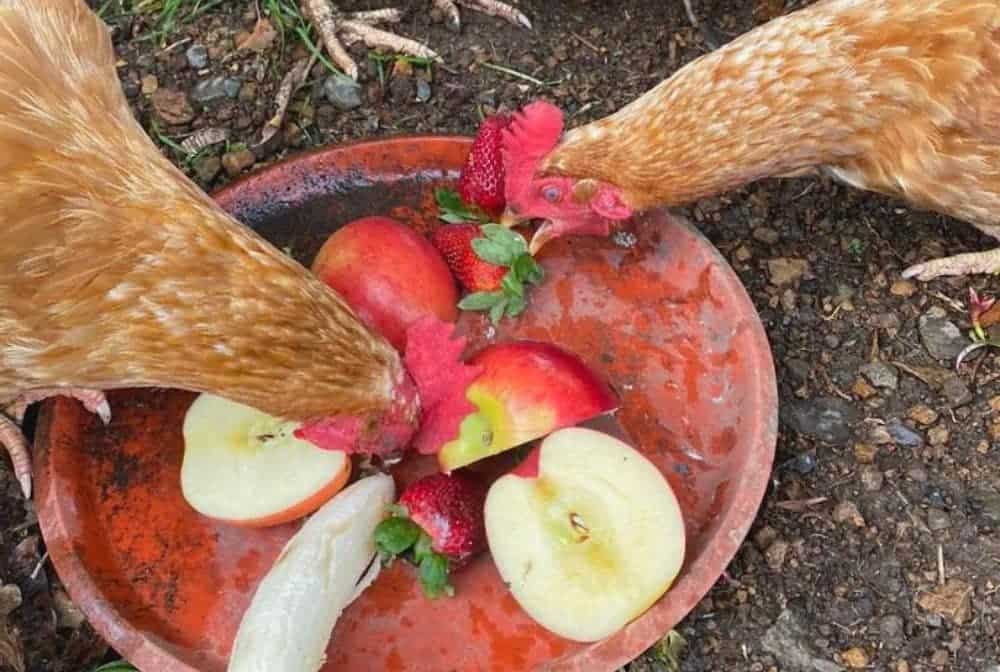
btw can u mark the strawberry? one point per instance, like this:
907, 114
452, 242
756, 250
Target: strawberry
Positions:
481, 181
438, 525
454, 242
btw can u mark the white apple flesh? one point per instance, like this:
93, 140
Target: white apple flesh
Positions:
590, 540
247, 468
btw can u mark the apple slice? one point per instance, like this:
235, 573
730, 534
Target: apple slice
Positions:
247, 468
526, 390
586, 532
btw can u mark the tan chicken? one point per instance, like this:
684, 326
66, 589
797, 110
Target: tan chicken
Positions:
900, 97
116, 271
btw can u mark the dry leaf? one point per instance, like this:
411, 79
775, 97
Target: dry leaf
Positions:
261, 38
799, 505
206, 137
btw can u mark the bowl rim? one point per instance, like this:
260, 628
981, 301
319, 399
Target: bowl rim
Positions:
149, 653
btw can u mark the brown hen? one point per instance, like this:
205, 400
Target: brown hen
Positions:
117, 271
900, 97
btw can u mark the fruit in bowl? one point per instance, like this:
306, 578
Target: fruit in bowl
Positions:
389, 274
247, 468
586, 532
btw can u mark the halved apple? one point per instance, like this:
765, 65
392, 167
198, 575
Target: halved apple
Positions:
526, 390
586, 532
247, 468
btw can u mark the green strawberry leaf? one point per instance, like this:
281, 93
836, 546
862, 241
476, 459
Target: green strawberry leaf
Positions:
395, 535
451, 218
512, 286
434, 576
516, 306
115, 666
493, 252
481, 301
497, 311
527, 269
453, 209
508, 238
422, 548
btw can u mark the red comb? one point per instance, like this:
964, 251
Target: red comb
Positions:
535, 131
434, 360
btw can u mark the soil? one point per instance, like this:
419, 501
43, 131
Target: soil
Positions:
886, 475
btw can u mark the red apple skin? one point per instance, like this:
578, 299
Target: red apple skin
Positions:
534, 373
533, 388
389, 274
530, 466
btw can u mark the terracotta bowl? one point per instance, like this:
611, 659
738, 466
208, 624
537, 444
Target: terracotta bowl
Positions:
658, 311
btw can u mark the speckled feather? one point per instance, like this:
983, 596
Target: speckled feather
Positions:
896, 96
117, 271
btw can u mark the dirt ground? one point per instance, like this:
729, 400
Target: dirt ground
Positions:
888, 460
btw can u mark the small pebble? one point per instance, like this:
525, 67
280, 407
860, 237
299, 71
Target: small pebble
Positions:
855, 658
776, 554
938, 520
903, 435
938, 436
342, 92
150, 84
903, 288
917, 473
956, 391
236, 162
847, 512
805, 463
872, 479
786, 271
423, 90
923, 415
766, 235
942, 338
865, 453
881, 375
940, 658
863, 390
215, 88
207, 167
197, 56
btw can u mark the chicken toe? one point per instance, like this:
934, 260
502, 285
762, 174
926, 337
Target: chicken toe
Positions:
12, 438
491, 7
961, 264
336, 30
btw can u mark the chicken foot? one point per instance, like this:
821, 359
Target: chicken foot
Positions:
491, 7
969, 263
336, 30
13, 439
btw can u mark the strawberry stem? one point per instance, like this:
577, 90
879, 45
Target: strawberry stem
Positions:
398, 536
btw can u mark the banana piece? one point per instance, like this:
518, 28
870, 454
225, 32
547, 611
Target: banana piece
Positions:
321, 570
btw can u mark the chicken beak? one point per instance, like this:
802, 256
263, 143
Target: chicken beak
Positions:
509, 219
543, 234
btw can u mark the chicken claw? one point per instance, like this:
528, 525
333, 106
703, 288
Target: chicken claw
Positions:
337, 29
960, 264
12, 438
491, 7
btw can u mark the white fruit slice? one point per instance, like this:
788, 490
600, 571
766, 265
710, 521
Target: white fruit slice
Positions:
327, 564
590, 541
247, 468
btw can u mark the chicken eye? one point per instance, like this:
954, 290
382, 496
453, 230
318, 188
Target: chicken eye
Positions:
551, 194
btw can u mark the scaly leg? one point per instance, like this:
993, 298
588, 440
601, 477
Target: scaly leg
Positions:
491, 7
337, 29
12, 438
960, 264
